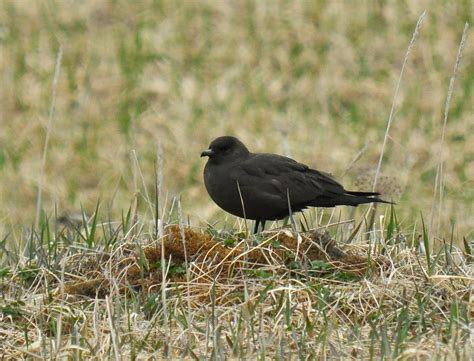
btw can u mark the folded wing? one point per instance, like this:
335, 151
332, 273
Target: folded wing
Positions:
271, 179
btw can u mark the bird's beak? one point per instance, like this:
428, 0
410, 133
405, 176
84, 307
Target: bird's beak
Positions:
207, 153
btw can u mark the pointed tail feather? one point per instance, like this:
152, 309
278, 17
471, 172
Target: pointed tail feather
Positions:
347, 199
355, 200
363, 194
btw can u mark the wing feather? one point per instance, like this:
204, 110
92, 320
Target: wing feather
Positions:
270, 175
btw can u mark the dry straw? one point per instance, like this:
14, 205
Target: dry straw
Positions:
439, 180
395, 96
52, 111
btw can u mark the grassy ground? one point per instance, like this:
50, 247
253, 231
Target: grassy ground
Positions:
109, 103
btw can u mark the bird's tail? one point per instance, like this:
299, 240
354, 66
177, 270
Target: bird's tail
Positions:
363, 194
356, 198
349, 199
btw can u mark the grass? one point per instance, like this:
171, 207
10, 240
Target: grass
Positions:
136, 296
109, 245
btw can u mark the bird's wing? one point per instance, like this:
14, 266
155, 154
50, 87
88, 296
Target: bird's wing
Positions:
283, 177
257, 183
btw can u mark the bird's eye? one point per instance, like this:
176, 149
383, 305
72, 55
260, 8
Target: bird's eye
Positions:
223, 148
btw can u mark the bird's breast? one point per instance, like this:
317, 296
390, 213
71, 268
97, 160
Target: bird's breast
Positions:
223, 188
254, 197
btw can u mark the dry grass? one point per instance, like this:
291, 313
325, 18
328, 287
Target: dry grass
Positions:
283, 296
110, 103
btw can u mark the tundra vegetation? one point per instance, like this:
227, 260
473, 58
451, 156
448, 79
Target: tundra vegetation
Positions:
110, 247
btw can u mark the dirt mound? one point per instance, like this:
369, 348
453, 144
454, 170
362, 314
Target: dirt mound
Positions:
187, 254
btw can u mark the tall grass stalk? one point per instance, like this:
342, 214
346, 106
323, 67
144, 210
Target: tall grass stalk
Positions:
113, 329
158, 232
439, 180
395, 96
188, 275
243, 208
52, 111
142, 178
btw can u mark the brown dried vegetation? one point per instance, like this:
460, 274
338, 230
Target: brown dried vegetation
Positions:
207, 257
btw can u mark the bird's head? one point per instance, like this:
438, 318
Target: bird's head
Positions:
225, 148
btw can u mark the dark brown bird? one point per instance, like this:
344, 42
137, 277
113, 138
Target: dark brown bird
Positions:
262, 186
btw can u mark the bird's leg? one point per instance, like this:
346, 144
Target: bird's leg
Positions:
257, 222
255, 230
